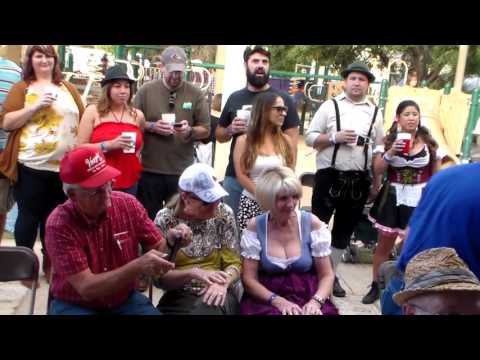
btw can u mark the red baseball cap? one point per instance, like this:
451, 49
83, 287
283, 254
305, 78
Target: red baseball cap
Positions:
86, 166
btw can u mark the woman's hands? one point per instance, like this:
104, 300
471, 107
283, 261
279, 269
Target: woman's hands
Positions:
210, 277
286, 307
215, 294
289, 308
397, 147
216, 285
312, 308
181, 232
120, 142
44, 101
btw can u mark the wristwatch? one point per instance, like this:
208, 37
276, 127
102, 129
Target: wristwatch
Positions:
318, 299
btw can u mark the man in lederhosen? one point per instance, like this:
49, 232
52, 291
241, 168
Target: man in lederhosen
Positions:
344, 131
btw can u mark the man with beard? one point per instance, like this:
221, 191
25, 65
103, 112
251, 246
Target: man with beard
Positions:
177, 114
230, 126
343, 131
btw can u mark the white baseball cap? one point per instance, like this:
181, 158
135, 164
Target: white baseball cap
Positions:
199, 179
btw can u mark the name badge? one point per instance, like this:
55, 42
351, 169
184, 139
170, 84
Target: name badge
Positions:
187, 106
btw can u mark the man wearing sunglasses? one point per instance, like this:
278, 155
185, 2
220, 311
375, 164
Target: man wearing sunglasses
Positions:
230, 126
177, 114
344, 132
93, 241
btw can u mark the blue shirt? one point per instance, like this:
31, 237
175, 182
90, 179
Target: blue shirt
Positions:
10, 73
448, 215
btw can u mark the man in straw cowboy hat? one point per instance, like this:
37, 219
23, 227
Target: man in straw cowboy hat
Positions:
438, 282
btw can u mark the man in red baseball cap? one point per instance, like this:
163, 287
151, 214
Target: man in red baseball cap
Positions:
93, 241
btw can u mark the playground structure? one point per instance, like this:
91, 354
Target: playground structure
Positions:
452, 116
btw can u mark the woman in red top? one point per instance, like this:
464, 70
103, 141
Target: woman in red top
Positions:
117, 127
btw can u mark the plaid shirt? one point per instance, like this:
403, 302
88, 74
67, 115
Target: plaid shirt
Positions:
75, 243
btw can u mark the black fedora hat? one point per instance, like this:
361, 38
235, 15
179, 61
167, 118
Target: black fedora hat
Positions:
358, 67
116, 72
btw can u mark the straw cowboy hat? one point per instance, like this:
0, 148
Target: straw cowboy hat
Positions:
436, 270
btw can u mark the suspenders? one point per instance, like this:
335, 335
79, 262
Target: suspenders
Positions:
365, 147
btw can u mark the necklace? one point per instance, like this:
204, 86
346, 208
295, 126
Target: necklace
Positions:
121, 116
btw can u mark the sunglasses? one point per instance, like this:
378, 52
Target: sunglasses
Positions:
280, 108
257, 47
171, 100
100, 190
204, 203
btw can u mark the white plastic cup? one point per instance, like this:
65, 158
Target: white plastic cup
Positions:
244, 115
133, 138
170, 118
406, 140
355, 142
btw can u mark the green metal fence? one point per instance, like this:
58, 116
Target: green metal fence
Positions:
474, 112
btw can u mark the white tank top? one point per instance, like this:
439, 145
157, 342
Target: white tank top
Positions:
262, 163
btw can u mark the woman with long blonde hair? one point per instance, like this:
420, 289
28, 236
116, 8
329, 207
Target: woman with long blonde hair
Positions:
263, 146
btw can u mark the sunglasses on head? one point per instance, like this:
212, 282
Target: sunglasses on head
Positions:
280, 108
257, 47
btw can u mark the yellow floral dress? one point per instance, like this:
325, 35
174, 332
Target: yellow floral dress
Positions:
50, 132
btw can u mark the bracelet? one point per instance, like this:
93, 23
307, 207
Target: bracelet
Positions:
271, 298
319, 300
231, 271
103, 147
230, 130
151, 125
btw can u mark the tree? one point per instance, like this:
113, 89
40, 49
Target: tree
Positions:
434, 63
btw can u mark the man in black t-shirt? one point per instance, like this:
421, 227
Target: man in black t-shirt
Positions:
257, 66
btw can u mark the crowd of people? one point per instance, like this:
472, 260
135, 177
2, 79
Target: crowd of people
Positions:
114, 194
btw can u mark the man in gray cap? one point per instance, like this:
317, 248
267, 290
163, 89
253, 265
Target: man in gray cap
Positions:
344, 132
438, 282
177, 114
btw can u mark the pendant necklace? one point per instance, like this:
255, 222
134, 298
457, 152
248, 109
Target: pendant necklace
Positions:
121, 116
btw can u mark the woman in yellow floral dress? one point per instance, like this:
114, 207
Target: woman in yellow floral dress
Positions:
43, 113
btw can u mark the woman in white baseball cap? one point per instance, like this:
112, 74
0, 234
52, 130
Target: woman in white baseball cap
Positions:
205, 279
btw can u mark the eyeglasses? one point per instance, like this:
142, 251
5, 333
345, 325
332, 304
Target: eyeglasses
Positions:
280, 108
100, 190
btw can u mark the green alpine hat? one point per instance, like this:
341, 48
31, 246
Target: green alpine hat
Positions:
358, 67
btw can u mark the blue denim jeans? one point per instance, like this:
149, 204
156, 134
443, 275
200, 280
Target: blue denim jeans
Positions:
234, 189
136, 304
388, 306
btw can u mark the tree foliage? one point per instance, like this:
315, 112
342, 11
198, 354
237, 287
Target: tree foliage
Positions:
434, 63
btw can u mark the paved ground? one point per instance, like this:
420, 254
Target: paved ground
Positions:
14, 298
354, 277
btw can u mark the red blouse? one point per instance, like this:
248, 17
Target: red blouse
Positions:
128, 163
